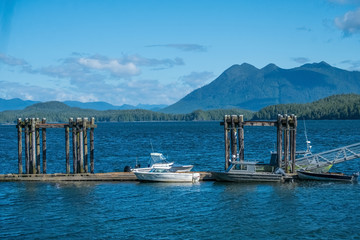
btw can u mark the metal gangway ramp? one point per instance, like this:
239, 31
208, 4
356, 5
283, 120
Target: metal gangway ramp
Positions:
325, 160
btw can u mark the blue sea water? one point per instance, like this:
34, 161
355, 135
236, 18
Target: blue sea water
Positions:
206, 210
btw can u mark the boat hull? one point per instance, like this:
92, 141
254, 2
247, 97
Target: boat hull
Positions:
246, 177
173, 167
167, 177
325, 176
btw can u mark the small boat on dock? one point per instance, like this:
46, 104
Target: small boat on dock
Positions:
166, 174
246, 171
158, 160
304, 175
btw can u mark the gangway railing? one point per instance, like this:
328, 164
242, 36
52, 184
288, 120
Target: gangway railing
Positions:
323, 161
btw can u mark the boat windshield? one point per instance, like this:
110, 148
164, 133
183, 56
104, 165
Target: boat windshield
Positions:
158, 158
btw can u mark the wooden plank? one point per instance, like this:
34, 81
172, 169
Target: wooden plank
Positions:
293, 145
67, 148
279, 141
51, 125
33, 147
74, 143
227, 142
233, 137
286, 145
20, 166
44, 147
260, 123
85, 146
241, 138
60, 125
81, 150
27, 150
37, 131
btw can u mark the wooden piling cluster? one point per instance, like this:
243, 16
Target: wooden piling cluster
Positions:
31, 129
286, 139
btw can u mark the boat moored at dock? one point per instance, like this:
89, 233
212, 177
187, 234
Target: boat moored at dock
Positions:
244, 171
166, 174
305, 175
158, 160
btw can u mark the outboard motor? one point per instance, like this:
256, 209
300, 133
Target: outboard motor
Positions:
127, 169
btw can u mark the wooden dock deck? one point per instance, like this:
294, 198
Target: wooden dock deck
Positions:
101, 177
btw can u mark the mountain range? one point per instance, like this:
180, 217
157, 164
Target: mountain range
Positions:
18, 104
247, 87
244, 87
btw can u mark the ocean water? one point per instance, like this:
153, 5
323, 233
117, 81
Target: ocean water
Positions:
205, 210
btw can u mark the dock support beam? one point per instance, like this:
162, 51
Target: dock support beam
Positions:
67, 148
92, 145
279, 141
293, 144
234, 143
31, 129
285, 140
19, 146
43, 145
27, 147
233, 138
241, 138
227, 141
286, 144
33, 147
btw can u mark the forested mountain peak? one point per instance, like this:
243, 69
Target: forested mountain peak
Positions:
247, 87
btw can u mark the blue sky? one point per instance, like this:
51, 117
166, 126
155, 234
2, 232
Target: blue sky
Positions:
156, 52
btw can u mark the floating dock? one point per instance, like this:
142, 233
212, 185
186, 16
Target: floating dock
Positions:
30, 139
100, 177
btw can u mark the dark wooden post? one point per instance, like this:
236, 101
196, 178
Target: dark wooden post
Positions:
286, 144
233, 138
227, 142
241, 138
37, 130
279, 141
27, 146
33, 147
85, 121
81, 148
67, 148
293, 144
73, 124
92, 145
19, 127
44, 146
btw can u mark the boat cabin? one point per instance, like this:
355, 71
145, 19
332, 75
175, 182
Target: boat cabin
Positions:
249, 167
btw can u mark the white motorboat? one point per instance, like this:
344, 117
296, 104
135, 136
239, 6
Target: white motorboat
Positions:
166, 174
158, 160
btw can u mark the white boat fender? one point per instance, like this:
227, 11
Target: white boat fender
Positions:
280, 171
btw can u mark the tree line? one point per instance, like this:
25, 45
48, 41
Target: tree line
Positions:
343, 106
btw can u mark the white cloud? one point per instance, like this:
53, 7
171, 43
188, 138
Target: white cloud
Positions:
349, 23
95, 78
112, 65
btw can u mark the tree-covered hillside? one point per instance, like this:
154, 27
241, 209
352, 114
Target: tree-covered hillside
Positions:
343, 106
247, 87
60, 112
